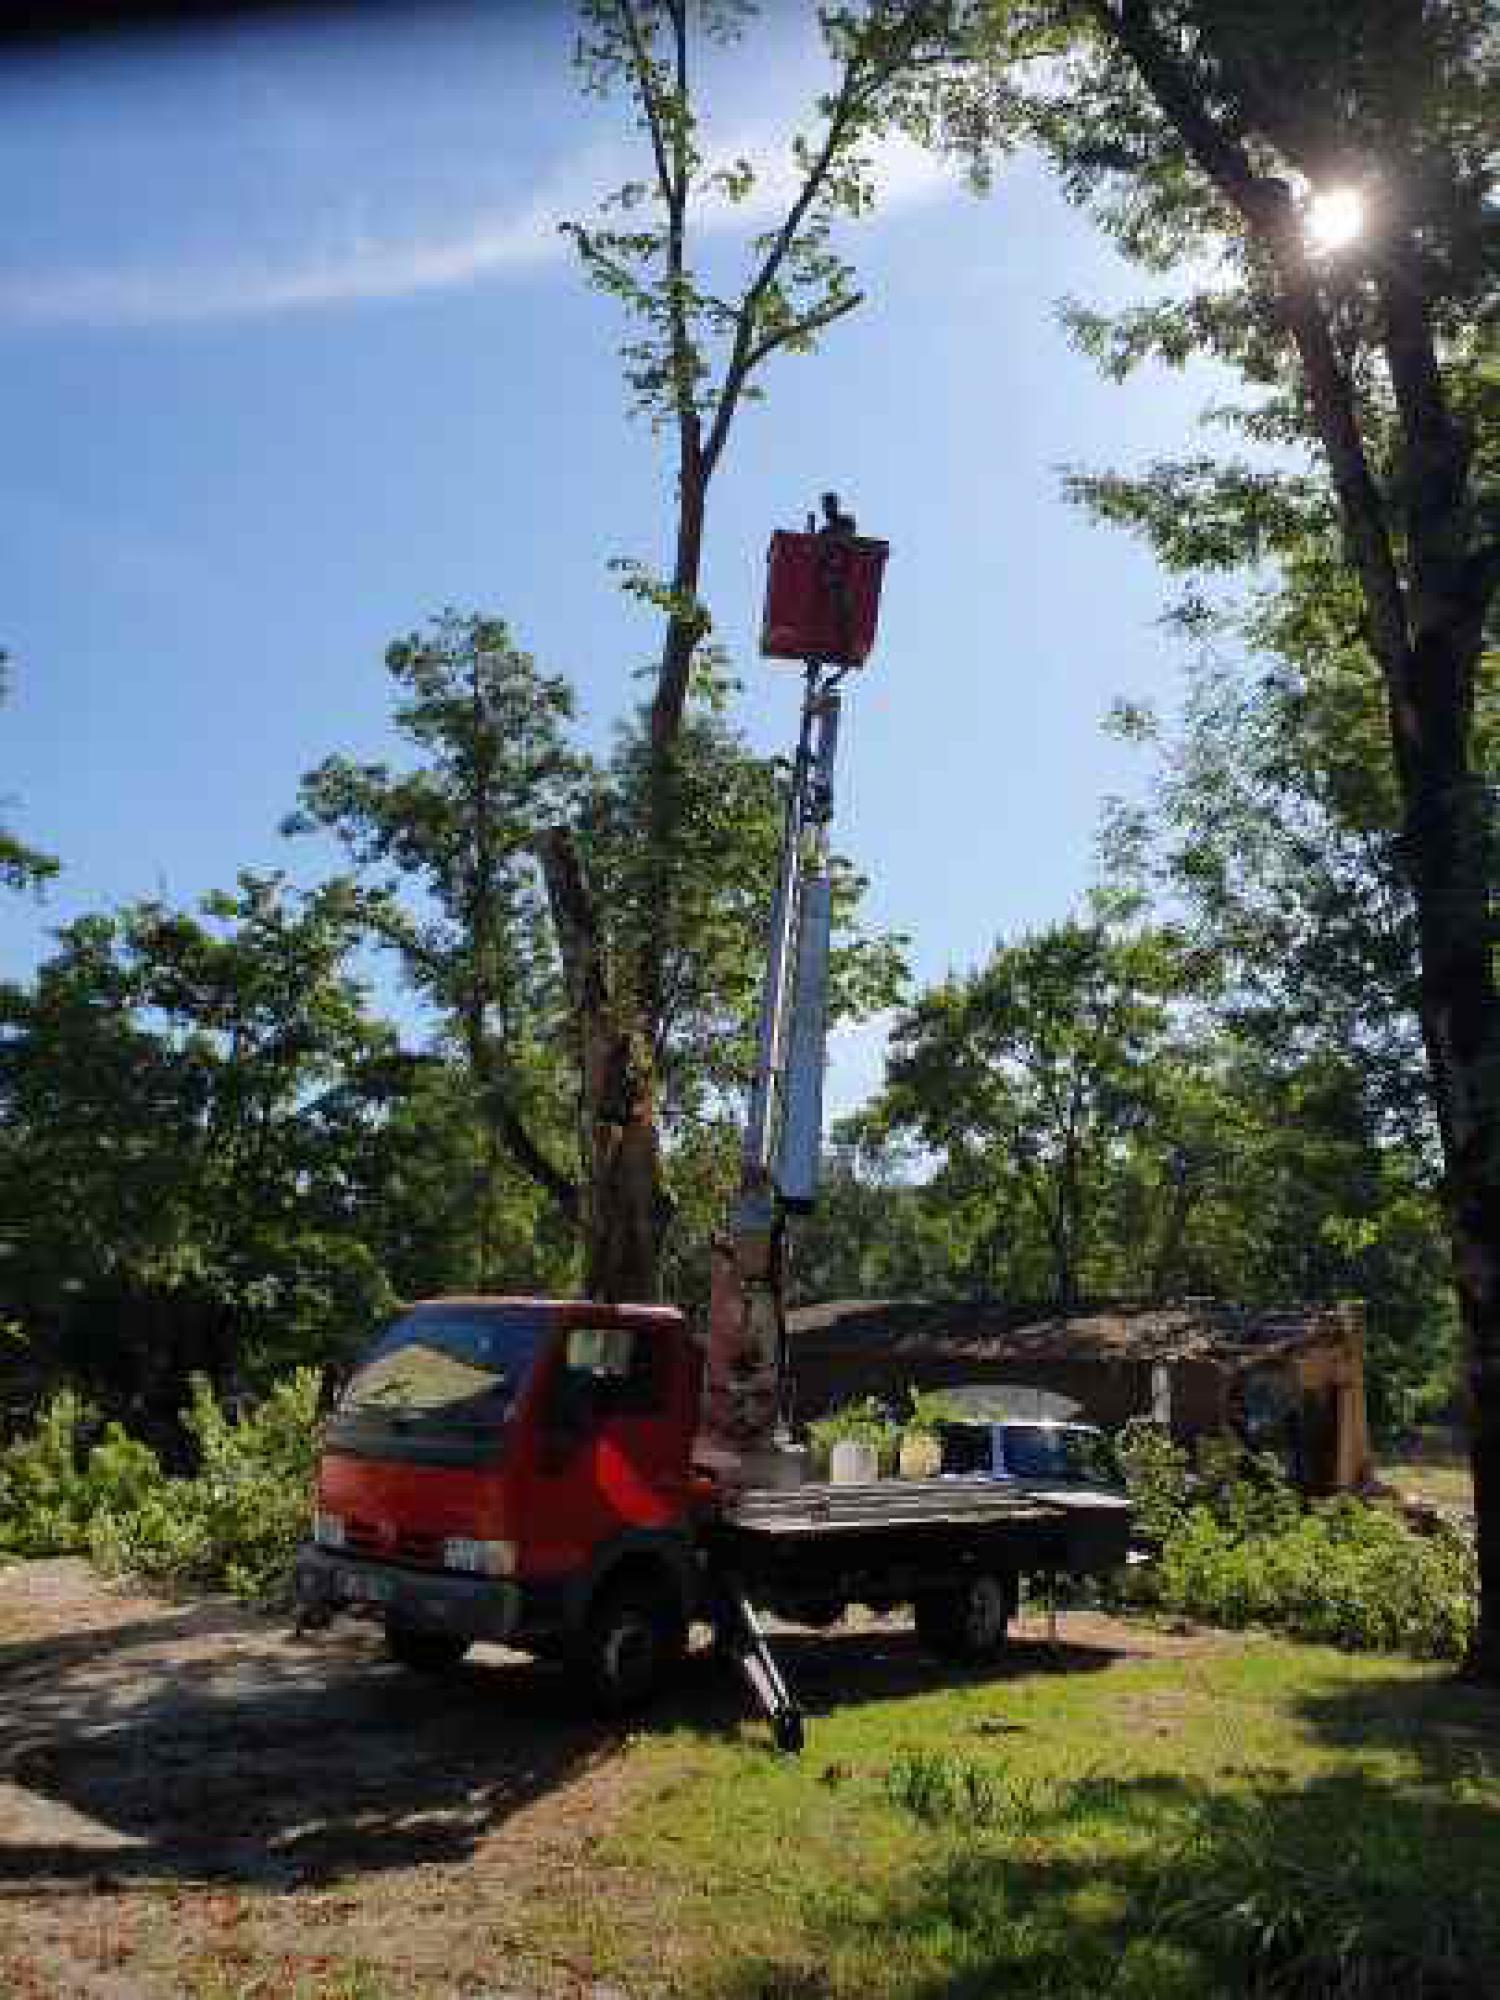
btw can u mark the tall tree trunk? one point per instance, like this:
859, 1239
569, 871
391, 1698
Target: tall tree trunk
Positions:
626, 1200
1427, 563
622, 1196
1460, 1010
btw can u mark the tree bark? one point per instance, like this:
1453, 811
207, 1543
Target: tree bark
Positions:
622, 1200
1447, 847
1426, 580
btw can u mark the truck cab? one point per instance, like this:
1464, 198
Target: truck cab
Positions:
518, 1470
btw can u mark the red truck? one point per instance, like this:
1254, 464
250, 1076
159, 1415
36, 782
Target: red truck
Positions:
523, 1470
585, 1480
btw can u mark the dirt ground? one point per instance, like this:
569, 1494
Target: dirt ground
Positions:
193, 1801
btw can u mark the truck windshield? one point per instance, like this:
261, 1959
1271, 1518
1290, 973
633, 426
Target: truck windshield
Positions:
459, 1363
1051, 1451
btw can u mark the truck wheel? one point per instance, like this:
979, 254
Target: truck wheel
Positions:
424, 1652
633, 1639
968, 1622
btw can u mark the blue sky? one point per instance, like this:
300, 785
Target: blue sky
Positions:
292, 356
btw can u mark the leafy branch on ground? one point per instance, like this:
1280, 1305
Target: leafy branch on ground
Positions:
1237, 1545
232, 1524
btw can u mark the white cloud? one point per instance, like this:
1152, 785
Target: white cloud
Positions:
351, 266
336, 272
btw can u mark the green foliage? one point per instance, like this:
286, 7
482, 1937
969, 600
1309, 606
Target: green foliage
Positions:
188, 1111
232, 1524
446, 849
1347, 1573
1355, 1923
1156, 1475
1073, 1113
21, 867
1291, 827
877, 1232
694, 353
235, 1523
43, 1495
52, 1489
865, 1422
942, 1791
1236, 1546
928, 1410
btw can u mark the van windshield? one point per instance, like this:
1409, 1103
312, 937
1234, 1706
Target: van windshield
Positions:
459, 1363
1054, 1451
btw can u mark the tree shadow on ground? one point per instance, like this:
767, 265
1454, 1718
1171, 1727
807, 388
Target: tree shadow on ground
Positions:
1161, 1888
1449, 1727
213, 1746
296, 1765
885, 1663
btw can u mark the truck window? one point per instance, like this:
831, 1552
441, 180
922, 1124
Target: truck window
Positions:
464, 1363
620, 1364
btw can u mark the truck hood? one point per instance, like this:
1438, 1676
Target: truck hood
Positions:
384, 1503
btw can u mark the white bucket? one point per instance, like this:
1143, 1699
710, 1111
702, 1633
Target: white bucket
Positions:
853, 1463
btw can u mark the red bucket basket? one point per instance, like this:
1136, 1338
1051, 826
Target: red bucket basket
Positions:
822, 597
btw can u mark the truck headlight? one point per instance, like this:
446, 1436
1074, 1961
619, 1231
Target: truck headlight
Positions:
479, 1558
328, 1530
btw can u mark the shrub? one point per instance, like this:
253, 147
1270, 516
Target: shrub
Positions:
1155, 1471
1236, 1545
51, 1490
1344, 1572
236, 1522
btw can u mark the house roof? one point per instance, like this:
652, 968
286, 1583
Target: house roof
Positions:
993, 1331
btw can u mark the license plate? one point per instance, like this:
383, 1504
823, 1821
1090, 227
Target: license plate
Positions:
364, 1589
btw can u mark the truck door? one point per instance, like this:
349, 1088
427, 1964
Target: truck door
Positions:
611, 1449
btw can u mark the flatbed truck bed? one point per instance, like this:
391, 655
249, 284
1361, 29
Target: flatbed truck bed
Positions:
827, 1509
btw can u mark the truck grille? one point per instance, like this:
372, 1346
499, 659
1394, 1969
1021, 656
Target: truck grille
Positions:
405, 1545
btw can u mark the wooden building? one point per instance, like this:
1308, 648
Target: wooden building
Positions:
1289, 1381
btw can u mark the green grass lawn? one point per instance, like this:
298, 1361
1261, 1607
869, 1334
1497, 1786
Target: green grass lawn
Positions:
1253, 1817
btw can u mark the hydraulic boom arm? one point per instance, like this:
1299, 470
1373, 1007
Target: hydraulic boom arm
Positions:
779, 1162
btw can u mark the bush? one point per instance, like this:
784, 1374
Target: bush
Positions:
1155, 1471
1345, 1572
1237, 1545
51, 1491
236, 1522
233, 1525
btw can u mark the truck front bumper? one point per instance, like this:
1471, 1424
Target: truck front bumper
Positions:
468, 1607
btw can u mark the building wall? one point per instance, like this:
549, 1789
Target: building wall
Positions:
1320, 1380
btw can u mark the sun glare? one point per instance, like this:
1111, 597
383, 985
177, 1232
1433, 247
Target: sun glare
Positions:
1336, 219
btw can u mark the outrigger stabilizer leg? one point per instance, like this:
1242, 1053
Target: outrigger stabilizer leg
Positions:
743, 1637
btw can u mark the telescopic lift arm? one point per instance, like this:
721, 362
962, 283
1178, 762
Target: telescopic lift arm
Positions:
745, 1384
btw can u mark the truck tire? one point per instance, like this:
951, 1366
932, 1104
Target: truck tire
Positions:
967, 1622
424, 1652
633, 1639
